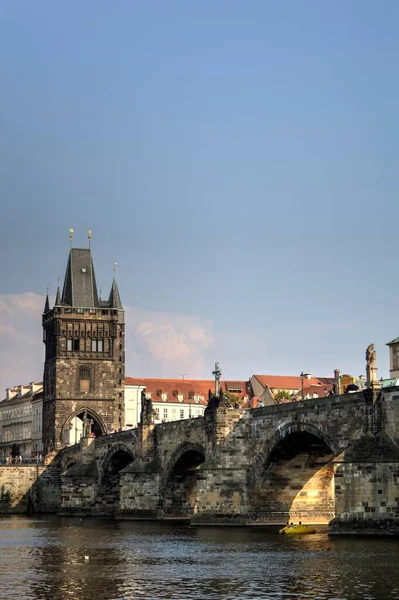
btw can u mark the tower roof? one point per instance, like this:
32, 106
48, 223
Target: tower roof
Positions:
80, 288
46, 305
114, 300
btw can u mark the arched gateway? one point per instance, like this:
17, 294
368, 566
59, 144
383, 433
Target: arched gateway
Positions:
84, 422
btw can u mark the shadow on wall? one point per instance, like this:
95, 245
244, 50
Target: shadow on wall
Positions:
28, 489
179, 496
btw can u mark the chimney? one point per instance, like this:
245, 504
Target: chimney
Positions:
336, 373
8, 394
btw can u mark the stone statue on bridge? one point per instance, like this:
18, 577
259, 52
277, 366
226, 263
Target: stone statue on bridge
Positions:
147, 410
371, 367
87, 424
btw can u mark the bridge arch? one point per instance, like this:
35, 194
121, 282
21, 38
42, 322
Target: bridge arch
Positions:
292, 478
178, 489
117, 458
119, 449
288, 427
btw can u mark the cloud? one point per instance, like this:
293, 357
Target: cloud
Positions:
21, 347
162, 344
158, 344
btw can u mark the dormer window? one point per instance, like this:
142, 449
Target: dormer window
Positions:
164, 397
180, 397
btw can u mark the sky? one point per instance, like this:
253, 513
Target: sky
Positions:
238, 159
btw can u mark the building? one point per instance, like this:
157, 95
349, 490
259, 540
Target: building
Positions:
346, 380
393, 358
266, 387
20, 420
174, 399
84, 357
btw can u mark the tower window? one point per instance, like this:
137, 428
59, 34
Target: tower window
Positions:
97, 345
69, 345
76, 345
84, 378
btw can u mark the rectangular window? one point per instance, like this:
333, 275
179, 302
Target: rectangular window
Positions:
182, 413
157, 413
69, 345
97, 346
76, 345
165, 413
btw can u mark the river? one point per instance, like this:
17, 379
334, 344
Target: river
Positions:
44, 558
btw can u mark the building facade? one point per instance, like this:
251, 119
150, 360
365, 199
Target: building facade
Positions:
20, 421
175, 399
266, 387
84, 365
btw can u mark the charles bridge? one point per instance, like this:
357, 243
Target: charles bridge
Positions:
329, 460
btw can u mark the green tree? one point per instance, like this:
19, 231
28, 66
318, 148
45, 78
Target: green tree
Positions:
230, 399
282, 396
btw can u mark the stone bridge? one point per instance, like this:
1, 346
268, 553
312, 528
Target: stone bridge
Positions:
329, 460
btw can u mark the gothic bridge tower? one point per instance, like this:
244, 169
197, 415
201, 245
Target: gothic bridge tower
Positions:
84, 365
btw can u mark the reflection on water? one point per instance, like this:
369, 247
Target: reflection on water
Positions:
45, 559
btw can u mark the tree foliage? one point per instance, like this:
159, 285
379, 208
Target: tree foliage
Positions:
231, 399
283, 396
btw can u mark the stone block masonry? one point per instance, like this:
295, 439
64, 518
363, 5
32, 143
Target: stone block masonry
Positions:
33, 488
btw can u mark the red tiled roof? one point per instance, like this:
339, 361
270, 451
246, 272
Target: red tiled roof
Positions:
286, 382
320, 390
186, 387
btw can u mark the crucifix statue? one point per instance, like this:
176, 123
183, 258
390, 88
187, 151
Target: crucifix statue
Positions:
217, 374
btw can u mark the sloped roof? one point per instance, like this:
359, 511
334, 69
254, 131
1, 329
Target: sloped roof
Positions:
26, 392
288, 382
320, 390
187, 388
80, 288
114, 300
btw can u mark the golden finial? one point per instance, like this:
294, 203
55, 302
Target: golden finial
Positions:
89, 236
70, 237
115, 265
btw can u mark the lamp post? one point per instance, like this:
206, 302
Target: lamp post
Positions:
302, 378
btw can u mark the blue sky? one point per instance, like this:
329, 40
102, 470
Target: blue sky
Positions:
237, 159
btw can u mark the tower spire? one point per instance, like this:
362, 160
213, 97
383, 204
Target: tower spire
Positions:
58, 297
47, 303
114, 300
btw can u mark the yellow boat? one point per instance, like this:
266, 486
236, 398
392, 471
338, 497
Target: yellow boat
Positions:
297, 529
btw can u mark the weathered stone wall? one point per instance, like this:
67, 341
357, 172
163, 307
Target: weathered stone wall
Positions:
33, 488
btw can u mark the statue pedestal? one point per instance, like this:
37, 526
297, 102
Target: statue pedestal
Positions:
87, 447
375, 385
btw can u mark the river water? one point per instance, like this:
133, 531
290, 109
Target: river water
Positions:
44, 558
